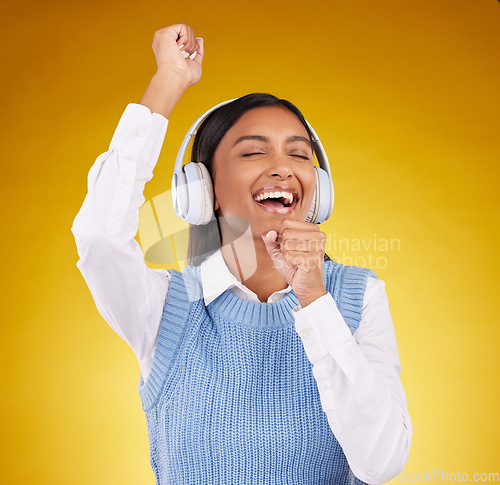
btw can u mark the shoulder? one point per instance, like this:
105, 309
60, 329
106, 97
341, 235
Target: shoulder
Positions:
350, 282
359, 280
362, 281
186, 284
337, 274
375, 288
347, 285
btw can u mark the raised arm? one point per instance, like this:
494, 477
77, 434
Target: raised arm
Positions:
128, 294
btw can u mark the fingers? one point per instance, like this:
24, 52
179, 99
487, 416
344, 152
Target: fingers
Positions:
298, 240
299, 247
198, 56
178, 51
302, 245
186, 40
272, 245
274, 250
295, 235
183, 35
301, 236
304, 260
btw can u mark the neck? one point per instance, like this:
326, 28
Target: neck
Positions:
248, 260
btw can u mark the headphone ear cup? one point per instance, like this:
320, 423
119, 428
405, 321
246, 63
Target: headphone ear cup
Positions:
325, 196
179, 194
311, 216
199, 194
320, 207
207, 194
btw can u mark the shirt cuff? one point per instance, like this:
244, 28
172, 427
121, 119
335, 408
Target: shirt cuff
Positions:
321, 327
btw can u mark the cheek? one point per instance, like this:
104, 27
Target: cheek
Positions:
309, 185
229, 189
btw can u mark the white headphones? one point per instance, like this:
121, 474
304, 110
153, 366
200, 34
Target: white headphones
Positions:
193, 194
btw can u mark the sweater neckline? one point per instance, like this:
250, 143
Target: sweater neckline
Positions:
255, 315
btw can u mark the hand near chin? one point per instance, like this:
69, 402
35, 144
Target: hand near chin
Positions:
297, 250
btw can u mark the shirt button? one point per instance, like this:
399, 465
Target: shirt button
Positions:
322, 385
126, 180
305, 335
141, 132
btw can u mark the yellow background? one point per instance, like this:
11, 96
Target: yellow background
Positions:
404, 95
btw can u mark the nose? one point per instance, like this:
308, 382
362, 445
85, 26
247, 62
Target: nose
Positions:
279, 167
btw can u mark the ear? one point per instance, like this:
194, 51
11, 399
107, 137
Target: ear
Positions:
216, 205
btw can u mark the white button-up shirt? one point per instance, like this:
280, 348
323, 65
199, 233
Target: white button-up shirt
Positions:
358, 375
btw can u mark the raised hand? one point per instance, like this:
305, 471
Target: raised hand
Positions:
179, 52
179, 55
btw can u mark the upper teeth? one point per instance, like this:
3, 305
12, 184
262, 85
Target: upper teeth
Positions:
275, 195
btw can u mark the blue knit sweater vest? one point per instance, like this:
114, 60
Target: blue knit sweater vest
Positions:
231, 397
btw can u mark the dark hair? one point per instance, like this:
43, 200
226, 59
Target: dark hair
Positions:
206, 239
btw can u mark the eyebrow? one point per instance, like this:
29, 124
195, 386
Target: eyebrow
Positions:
290, 139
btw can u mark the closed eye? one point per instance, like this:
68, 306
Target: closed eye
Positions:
262, 153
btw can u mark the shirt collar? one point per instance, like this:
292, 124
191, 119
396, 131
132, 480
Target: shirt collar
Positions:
216, 279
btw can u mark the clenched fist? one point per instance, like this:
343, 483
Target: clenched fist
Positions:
179, 53
297, 250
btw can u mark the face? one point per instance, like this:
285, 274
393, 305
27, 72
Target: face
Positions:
263, 170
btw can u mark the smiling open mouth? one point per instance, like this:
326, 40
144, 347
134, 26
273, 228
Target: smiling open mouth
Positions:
277, 201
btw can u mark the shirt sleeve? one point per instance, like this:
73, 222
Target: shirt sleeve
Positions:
358, 378
128, 294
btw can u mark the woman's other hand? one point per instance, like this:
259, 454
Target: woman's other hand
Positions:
179, 53
297, 250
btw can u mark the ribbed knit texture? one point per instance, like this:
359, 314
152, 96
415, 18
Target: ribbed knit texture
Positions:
231, 397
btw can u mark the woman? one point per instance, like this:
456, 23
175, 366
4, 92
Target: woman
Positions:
261, 362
